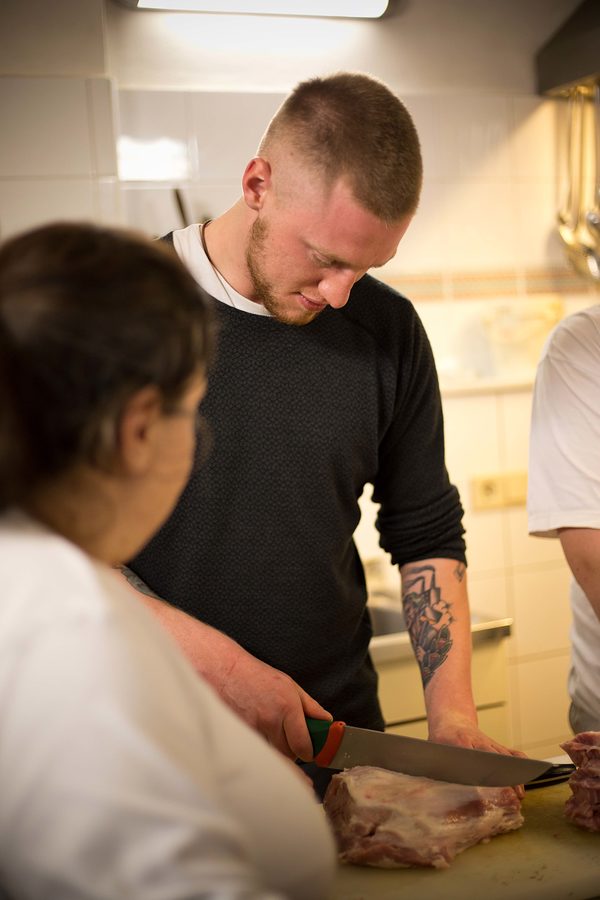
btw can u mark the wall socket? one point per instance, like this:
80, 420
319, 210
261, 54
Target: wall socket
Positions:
500, 490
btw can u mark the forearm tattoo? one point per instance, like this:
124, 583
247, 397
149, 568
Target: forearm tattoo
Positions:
428, 618
459, 571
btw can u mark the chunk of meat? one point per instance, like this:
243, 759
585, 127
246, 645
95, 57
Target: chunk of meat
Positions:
387, 819
581, 812
585, 787
584, 749
583, 807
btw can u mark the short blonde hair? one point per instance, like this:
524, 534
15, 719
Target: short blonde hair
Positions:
351, 125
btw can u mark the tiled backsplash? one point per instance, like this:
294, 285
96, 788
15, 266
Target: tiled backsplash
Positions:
57, 151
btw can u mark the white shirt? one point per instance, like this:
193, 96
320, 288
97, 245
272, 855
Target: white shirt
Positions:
564, 471
122, 774
188, 244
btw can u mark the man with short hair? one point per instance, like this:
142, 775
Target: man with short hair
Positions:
269, 600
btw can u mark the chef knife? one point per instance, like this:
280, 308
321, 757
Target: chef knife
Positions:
340, 746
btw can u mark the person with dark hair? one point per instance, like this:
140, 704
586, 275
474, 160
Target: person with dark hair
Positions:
268, 599
122, 774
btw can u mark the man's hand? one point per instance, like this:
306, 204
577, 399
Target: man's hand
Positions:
463, 733
272, 703
268, 700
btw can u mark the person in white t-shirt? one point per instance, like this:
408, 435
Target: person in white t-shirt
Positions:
564, 489
122, 773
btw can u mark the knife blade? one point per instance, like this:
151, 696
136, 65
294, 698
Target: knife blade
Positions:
340, 746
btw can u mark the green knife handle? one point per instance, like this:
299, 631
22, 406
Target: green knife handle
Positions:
318, 730
326, 737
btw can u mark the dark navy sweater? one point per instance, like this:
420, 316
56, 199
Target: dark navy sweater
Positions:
260, 545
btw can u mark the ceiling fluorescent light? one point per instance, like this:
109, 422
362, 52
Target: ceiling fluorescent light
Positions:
351, 9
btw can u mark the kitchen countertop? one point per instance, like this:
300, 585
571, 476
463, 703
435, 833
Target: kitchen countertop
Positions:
546, 859
397, 645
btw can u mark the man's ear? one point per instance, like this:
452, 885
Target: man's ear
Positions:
136, 433
256, 181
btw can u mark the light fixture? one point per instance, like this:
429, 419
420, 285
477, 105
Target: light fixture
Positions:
348, 9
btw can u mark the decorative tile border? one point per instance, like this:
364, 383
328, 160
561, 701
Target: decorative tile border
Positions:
418, 287
479, 285
483, 284
557, 281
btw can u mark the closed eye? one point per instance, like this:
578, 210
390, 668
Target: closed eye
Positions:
331, 263
325, 263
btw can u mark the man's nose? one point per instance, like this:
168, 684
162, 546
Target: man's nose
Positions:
336, 285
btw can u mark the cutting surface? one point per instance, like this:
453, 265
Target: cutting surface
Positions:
546, 859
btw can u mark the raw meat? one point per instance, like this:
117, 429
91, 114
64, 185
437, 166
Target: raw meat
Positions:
387, 819
584, 749
583, 807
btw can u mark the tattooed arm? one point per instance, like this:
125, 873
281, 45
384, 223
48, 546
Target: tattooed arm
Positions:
436, 608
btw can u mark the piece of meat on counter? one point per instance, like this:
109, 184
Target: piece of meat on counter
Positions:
584, 750
387, 819
583, 806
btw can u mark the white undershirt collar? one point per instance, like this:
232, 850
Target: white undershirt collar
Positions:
189, 248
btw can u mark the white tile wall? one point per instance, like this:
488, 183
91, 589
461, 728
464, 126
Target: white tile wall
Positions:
474, 133
424, 246
107, 201
515, 413
457, 335
472, 437
541, 610
533, 144
49, 133
25, 203
101, 107
489, 593
482, 217
197, 141
207, 199
537, 241
153, 210
64, 37
541, 707
227, 128
58, 157
538, 167
424, 109
155, 140
485, 537
524, 550
473, 449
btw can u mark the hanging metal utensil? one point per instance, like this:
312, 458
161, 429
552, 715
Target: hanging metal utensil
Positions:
567, 214
593, 214
581, 245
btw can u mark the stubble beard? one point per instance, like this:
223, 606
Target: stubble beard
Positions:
263, 290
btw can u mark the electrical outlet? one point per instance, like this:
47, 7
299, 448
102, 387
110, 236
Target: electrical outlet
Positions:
500, 490
514, 486
487, 492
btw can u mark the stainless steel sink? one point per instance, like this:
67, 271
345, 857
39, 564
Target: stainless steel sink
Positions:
390, 635
386, 618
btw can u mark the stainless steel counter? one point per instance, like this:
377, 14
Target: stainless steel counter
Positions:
391, 641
